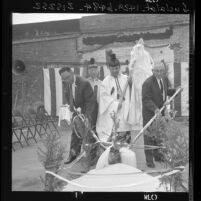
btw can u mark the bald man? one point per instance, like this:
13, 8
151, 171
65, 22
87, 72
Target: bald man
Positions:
155, 90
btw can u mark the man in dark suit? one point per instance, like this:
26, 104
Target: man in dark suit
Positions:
155, 90
95, 84
78, 93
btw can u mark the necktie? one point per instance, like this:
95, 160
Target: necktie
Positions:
161, 86
71, 98
95, 91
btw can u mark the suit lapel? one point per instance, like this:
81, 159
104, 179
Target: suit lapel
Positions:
76, 88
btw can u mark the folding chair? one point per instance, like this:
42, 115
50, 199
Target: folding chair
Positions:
30, 126
48, 121
32, 118
25, 126
41, 121
17, 130
51, 121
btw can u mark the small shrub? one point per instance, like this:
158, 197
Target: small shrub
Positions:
51, 158
168, 133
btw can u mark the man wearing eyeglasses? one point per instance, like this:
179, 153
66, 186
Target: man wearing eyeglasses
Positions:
78, 94
155, 90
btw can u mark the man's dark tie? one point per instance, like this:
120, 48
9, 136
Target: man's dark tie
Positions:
95, 91
71, 98
161, 87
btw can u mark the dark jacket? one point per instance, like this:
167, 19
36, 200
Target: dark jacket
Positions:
152, 97
84, 96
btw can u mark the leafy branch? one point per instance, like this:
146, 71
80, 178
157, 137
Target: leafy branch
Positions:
51, 159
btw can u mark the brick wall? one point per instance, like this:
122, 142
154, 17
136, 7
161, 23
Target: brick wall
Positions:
46, 51
111, 22
28, 89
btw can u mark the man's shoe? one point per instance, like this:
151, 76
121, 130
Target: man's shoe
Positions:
71, 158
151, 165
160, 160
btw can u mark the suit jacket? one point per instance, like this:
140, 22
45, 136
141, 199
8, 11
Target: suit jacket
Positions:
152, 97
84, 96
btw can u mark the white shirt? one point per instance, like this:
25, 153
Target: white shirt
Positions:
94, 82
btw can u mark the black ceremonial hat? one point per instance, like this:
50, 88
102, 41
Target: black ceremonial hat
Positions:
113, 61
92, 64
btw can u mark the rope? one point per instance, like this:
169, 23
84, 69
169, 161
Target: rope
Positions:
98, 141
147, 147
129, 173
77, 159
116, 186
81, 116
132, 145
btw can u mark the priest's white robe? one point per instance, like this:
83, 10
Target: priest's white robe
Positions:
109, 103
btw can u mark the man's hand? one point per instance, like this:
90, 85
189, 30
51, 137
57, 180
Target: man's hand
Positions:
87, 123
167, 102
179, 87
157, 112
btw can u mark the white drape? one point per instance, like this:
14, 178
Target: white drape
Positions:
140, 66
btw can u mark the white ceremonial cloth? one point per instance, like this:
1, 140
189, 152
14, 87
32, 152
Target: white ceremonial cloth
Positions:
109, 103
141, 63
116, 178
65, 114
